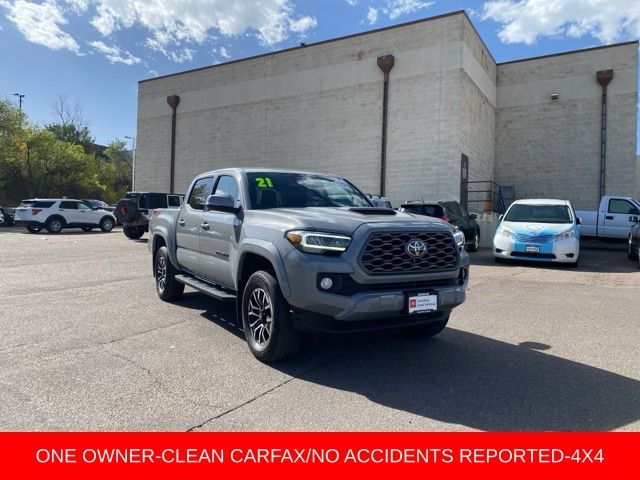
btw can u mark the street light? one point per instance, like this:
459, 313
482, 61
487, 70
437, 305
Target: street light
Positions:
133, 162
20, 97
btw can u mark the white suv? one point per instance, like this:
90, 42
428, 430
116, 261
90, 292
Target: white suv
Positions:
55, 214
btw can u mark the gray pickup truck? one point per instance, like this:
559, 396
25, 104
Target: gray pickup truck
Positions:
299, 251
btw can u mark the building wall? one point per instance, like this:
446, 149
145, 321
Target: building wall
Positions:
548, 148
320, 108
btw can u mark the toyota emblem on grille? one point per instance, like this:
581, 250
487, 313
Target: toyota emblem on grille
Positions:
416, 248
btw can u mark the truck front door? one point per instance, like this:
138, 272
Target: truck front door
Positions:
616, 218
220, 235
189, 225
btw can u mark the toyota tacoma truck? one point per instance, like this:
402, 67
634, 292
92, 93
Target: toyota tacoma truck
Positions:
299, 251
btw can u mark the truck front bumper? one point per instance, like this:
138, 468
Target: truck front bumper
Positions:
365, 303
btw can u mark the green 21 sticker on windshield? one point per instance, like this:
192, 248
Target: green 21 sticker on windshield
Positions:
264, 182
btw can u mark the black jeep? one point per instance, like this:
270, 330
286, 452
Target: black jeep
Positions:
134, 210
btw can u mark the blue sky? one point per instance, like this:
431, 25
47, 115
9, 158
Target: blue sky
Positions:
95, 51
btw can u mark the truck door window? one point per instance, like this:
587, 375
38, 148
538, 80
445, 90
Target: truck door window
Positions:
199, 193
618, 205
227, 185
174, 201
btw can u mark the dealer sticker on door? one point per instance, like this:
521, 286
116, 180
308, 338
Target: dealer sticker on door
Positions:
423, 302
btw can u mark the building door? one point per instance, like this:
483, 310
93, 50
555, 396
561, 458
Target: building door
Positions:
464, 181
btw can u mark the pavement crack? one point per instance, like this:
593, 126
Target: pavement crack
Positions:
281, 384
157, 381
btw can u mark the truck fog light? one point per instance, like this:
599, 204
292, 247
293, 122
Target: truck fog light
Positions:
326, 283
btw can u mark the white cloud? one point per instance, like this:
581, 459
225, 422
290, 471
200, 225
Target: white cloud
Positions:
174, 27
396, 8
114, 53
174, 22
372, 15
524, 21
353, 3
224, 52
40, 23
303, 24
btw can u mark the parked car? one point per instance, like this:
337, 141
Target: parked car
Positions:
135, 209
379, 201
633, 251
304, 251
99, 205
452, 212
611, 220
56, 214
6, 216
540, 230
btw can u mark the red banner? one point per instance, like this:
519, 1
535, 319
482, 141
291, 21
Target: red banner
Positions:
127, 455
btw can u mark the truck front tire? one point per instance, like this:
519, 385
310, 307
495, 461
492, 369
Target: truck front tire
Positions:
266, 319
167, 287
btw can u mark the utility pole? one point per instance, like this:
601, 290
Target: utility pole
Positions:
133, 162
20, 97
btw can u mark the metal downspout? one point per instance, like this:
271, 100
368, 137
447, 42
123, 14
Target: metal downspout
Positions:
173, 101
603, 77
385, 63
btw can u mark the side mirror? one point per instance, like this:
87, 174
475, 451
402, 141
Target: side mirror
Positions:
500, 218
578, 220
634, 211
223, 203
473, 216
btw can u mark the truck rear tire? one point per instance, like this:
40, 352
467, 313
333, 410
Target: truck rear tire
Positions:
266, 319
167, 287
133, 232
427, 330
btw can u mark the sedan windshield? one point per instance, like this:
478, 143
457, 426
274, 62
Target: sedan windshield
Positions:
300, 190
521, 212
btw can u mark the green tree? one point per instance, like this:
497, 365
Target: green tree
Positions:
116, 170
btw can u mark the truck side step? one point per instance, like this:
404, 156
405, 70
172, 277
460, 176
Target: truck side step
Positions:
205, 288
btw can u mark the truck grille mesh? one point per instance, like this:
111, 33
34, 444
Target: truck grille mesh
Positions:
385, 253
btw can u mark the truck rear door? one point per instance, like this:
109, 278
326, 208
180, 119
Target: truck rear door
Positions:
616, 218
189, 224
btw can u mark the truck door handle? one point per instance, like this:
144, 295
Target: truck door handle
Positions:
181, 223
609, 217
205, 226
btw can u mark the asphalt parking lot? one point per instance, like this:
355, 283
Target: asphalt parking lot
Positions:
87, 345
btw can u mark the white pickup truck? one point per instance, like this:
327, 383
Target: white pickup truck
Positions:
611, 220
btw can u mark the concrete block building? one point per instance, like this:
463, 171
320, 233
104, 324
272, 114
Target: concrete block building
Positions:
452, 115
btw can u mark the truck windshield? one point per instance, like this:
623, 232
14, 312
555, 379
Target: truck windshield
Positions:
300, 190
521, 212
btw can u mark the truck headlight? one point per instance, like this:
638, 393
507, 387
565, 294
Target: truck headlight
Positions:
318, 242
571, 233
505, 232
458, 236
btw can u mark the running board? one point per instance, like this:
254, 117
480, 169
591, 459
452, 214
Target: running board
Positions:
206, 288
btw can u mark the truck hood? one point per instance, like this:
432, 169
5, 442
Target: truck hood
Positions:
343, 219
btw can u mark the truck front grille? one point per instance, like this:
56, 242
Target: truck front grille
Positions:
385, 253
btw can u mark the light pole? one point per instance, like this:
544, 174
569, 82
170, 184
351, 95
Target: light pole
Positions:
133, 162
20, 97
